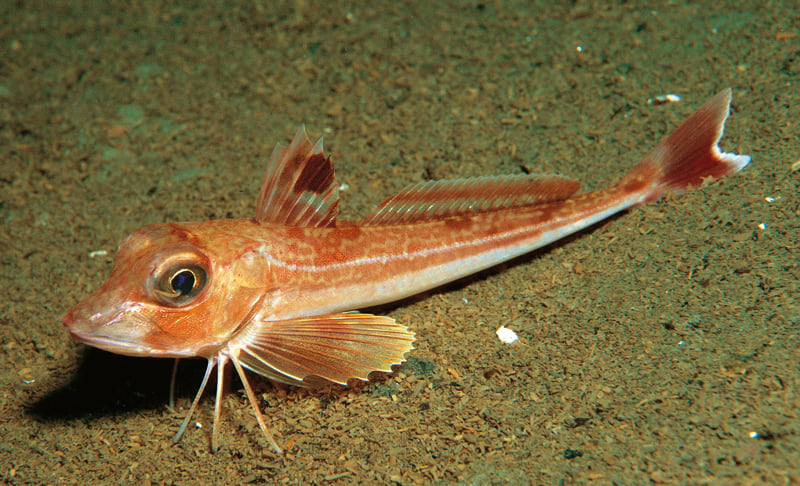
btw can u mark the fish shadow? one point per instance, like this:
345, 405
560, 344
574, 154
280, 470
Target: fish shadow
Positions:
107, 384
111, 385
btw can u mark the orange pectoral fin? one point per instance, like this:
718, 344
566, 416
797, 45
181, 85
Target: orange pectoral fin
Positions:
334, 347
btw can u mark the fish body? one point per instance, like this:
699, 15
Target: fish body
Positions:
275, 294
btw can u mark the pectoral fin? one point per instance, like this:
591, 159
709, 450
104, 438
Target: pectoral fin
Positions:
334, 347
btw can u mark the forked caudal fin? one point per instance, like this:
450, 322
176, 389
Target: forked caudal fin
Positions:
688, 156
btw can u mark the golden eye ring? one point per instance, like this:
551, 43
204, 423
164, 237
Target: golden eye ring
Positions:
180, 284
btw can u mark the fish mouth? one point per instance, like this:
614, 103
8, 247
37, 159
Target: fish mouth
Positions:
114, 344
119, 333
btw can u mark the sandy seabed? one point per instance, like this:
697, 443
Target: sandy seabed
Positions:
662, 346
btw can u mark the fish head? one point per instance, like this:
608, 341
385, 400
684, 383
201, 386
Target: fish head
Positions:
169, 294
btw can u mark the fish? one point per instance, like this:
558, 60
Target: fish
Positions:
278, 294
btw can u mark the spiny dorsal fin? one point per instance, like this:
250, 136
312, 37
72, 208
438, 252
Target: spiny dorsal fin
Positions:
299, 188
440, 199
334, 347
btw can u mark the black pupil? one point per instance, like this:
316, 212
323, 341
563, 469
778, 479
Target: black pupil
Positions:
183, 282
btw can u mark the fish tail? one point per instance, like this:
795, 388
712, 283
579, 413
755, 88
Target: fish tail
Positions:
689, 156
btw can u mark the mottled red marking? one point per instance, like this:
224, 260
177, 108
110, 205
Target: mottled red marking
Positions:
317, 175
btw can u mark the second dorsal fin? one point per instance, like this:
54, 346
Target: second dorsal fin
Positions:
456, 197
299, 188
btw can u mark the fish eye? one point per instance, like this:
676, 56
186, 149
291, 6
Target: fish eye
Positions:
180, 284
183, 282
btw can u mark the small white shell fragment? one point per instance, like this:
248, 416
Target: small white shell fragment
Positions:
664, 99
27, 377
506, 335
97, 253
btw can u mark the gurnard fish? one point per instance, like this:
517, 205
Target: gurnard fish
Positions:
277, 294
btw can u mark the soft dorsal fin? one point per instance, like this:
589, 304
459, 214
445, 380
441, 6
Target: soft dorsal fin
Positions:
299, 188
441, 199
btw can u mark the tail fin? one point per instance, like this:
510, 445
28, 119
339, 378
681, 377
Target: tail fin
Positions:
688, 156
